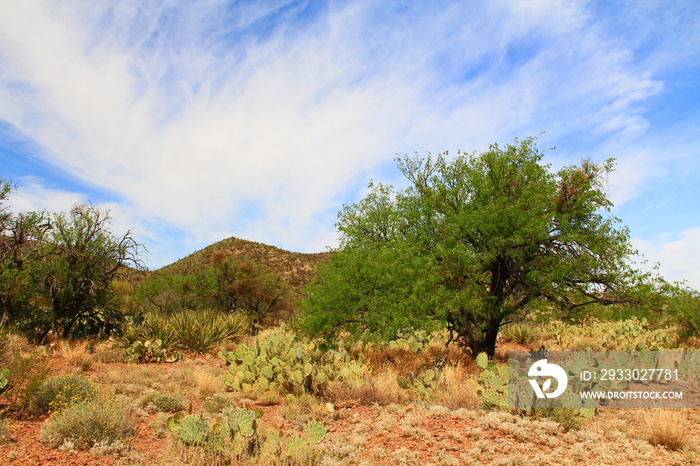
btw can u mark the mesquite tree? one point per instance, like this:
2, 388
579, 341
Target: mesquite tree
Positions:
470, 242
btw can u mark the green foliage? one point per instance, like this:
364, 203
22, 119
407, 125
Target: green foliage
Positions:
225, 285
281, 361
194, 331
684, 305
56, 270
78, 258
57, 393
471, 242
421, 384
492, 386
238, 435
102, 420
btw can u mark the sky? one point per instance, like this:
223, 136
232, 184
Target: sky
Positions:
197, 120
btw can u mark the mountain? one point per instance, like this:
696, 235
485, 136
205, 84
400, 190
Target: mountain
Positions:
296, 268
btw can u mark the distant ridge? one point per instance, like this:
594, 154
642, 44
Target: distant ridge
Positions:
296, 268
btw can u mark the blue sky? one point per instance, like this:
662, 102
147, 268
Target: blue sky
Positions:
194, 121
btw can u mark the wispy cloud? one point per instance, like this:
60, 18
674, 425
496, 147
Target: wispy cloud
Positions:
257, 119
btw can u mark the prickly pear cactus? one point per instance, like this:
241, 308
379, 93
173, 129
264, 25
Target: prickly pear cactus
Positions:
193, 430
315, 432
282, 361
492, 386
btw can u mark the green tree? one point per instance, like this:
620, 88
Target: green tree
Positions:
73, 267
472, 240
19, 236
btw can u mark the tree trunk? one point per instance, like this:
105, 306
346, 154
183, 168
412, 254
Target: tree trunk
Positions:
487, 343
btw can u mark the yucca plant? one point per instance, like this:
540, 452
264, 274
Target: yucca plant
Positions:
201, 331
157, 327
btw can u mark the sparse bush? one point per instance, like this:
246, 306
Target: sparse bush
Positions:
456, 389
216, 403
567, 418
303, 408
22, 376
100, 421
169, 403
57, 393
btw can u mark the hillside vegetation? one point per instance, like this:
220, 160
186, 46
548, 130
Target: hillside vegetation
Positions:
295, 268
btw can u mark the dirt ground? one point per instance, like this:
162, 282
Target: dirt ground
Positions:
417, 433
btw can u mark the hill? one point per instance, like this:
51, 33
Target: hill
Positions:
296, 268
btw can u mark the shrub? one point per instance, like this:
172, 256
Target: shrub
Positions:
59, 392
169, 403
101, 421
22, 376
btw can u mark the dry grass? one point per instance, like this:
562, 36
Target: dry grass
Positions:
77, 353
207, 383
457, 389
383, 389
666, 427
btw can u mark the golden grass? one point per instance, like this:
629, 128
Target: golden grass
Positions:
457, 388
666, 427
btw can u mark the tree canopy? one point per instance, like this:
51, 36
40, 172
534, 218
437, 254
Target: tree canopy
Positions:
474, 239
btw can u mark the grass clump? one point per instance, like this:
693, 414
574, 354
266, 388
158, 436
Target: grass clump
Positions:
57, 393
668, 428
101, 421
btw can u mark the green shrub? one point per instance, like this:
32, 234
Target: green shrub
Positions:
100, 421
169, 403
57, 393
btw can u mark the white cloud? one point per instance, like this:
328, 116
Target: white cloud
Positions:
677, 254
262, 136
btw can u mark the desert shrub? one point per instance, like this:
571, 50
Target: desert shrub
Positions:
101, 421
57, 393
169, 403
157, 327
216, 403
303, 408
21, 377
567, 418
